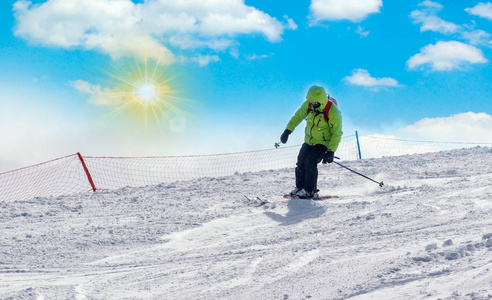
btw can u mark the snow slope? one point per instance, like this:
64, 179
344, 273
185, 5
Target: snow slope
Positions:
425, 235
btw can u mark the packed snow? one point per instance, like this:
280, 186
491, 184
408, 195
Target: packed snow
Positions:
426, 234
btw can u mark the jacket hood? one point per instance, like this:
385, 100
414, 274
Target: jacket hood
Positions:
317, 94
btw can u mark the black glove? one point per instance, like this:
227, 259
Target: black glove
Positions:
285, 136
328, 158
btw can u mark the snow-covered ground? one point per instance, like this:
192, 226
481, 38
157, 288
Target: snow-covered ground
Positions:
425, 235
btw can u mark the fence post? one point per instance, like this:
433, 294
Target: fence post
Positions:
358, 144
87, 172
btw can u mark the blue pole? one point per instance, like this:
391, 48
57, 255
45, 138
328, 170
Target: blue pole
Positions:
358, 144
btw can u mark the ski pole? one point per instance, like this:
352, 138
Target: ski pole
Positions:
277, 144
380, 183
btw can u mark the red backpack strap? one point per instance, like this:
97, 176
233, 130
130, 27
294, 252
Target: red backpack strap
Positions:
310, 107
327, 108
328, 105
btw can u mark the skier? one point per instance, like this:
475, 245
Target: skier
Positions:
322, 135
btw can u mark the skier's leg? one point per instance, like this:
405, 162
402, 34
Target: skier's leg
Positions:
311, 167
301, 165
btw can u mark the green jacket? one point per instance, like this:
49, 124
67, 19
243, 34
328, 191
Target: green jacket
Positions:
318, 131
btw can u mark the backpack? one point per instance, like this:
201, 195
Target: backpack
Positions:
331, 101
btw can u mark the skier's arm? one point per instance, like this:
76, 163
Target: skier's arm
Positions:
335, 122
298, 117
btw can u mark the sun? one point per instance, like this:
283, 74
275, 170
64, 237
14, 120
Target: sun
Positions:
144, 90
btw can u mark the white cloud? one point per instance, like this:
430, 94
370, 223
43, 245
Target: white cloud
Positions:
361, 31
476, 37
363, 78
205, 60
44, 77
188, 42
464, 127
202, 60
336, 10
446, 56
290, 23
427, 17
98, 95
257, 57
431, 5
123, 28
234, 52
428, 135
111, 27
483, 10
379, 145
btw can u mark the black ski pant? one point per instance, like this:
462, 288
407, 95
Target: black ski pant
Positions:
307, 166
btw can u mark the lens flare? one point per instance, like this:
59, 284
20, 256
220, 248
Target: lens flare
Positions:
144, 90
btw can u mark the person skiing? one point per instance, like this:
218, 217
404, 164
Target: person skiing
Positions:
322, 136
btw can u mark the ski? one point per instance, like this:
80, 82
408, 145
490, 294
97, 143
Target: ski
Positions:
288, 196
321, 197
262, 201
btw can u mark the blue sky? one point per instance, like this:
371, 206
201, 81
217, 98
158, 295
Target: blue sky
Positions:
238, 70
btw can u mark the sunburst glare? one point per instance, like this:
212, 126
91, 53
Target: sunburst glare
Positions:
145, 91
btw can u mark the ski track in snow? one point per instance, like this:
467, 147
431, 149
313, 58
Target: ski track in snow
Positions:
427, 234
